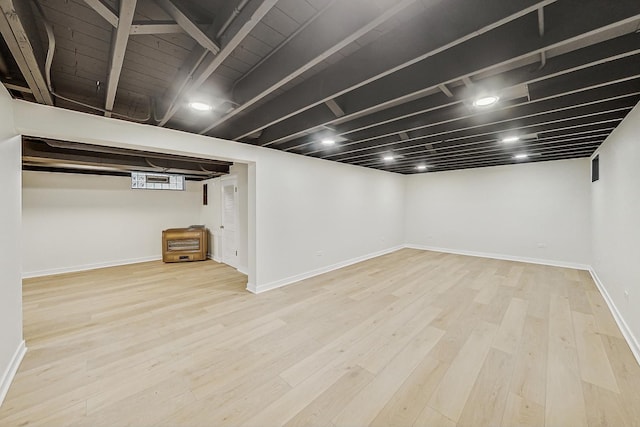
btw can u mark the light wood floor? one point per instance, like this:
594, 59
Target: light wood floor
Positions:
410, 338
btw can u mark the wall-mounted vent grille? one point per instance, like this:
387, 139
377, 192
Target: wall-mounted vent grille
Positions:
595, 168
157, 181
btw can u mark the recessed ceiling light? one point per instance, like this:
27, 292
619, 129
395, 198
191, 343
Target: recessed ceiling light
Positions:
485, 101
521, 156
511, 139
328, 141
200, 106
421, 167
388, 158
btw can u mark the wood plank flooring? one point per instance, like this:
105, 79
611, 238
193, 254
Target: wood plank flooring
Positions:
413, 338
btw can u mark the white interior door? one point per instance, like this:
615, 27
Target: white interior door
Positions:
229, 227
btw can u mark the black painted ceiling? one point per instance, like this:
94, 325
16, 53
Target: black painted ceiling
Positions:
379, 77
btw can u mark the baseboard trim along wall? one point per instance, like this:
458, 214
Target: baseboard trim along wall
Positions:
503, 257
631, 339
12, 369
293, 279
76, 268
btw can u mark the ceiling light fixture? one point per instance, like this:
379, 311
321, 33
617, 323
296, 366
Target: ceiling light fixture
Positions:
328, 141
421, 167
521, 156
200, 106
511, 139
486, 101
388, 158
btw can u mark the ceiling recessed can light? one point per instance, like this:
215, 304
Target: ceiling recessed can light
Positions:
521, 156
511, 139
200, 106
485, 101
421, 167
328, 141
388, 158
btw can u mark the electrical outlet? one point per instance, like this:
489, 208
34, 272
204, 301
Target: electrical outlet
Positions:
542, 245
319, 253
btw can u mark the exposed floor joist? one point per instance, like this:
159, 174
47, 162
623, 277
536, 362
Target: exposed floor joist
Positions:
429, 35
118, 49
446, 67
188, 81
342, 23
182, 18
18, 27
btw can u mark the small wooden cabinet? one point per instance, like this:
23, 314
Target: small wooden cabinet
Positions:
184, 244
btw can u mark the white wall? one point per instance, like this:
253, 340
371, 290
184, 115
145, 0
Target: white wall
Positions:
11, 343
505, 211
314, 214
74, 222
297, 206
616, 223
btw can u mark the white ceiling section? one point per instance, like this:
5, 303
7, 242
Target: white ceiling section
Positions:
383, 78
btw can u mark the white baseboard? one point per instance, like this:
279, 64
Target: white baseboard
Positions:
552, 263
214, 258
12, 369
312, 273
624, 328
84, 267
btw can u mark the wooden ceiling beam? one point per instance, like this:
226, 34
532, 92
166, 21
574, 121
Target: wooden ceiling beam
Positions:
17, 25
104, 10
182, 18
17, 87
120, 38
237, 31
335, 108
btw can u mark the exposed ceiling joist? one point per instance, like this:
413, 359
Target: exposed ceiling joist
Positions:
339, 25
103, 9
428, 74
182, 18
297, 73
335, 108
541, 21
467, 81
39, 153
603, 81
581, 115
423, 36
18, 27
447, 125
586, 58
443, 87
243, 23
152, 27
17, 87
120, 38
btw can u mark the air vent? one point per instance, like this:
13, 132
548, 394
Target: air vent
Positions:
157, 181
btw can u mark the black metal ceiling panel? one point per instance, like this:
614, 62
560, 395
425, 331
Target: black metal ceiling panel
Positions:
377, 79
